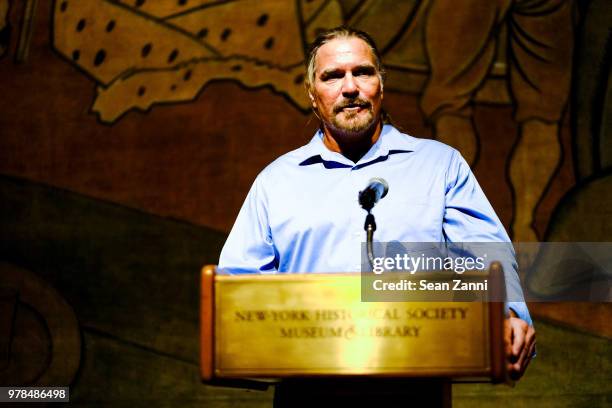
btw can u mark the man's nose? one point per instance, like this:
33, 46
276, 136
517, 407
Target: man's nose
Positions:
349, 87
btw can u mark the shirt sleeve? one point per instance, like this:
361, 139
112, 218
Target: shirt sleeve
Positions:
469, 218
249, 247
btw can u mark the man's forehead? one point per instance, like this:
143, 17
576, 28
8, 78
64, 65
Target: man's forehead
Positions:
344, 51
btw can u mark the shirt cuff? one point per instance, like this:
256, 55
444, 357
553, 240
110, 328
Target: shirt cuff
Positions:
520, 308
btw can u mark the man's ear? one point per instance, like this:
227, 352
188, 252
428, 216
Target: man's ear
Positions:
313, 101
308, 89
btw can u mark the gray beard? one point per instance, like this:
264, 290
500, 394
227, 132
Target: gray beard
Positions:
353, 130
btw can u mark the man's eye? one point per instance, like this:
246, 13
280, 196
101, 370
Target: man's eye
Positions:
331, 75
367, 71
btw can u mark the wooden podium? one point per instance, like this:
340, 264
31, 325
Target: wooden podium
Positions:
314, 336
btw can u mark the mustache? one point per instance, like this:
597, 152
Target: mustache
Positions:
352, 103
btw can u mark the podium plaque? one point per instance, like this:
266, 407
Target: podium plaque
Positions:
316, 325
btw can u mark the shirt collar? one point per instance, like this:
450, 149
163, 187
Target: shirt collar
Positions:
391, 141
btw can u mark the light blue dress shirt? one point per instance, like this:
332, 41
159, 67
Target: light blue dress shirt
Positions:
302, 215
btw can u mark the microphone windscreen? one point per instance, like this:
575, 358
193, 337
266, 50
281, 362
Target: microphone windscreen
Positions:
382, 182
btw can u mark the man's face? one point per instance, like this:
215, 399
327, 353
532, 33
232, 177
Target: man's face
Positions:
347, 89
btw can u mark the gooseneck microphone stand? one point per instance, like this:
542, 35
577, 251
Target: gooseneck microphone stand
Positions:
367, 199
377, 188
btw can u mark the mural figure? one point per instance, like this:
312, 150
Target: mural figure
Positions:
582, 215
461, 51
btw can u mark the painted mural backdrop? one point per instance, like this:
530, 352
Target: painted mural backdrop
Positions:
145, 53
130, 132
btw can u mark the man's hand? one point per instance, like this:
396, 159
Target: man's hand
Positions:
519, 338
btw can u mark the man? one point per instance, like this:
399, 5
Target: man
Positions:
301, 214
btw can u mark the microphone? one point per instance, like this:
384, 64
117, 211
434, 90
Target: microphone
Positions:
377, 188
